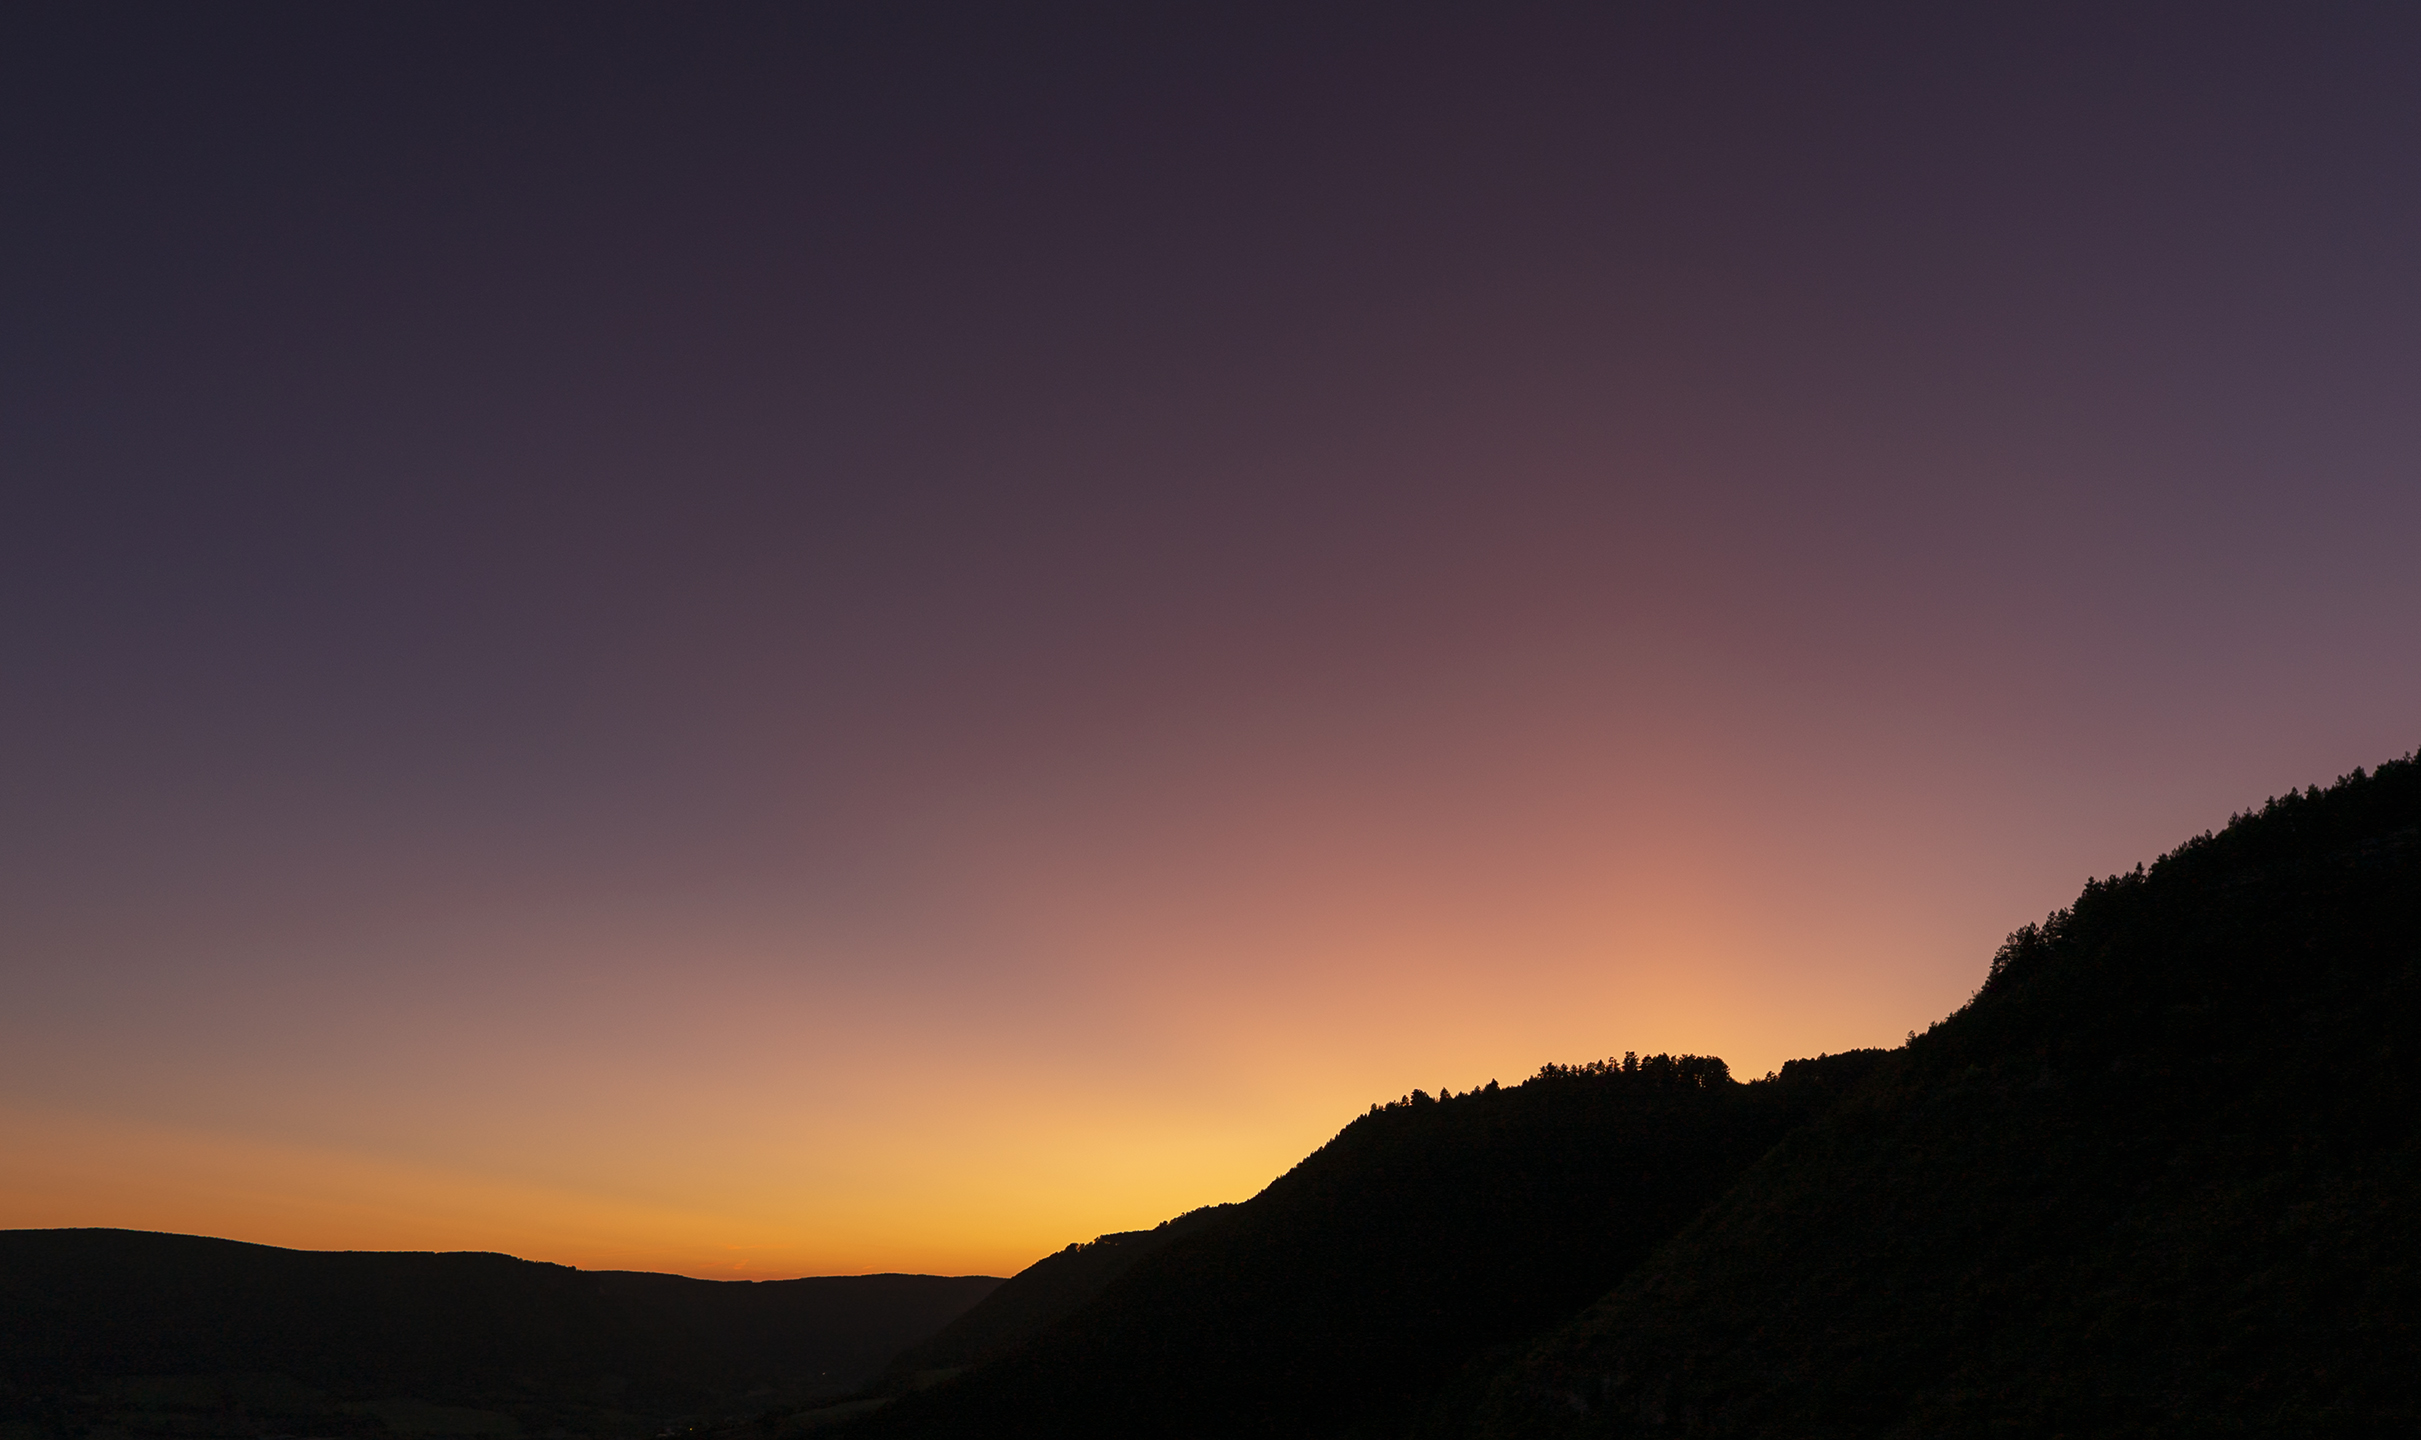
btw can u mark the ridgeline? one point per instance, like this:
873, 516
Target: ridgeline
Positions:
2159, 1177
1429, 1230
130, 1332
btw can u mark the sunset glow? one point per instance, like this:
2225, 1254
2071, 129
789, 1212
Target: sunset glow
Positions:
998, 626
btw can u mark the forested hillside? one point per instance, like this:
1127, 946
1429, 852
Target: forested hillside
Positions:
1358, 1286
2160, 1178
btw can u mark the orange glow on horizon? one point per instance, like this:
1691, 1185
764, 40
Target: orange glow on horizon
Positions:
1172, 1007
940, 640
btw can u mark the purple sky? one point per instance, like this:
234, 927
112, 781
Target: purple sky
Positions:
759, 640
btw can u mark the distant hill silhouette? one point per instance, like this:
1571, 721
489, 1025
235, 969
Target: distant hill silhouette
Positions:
241, 1339
2160, 1177
1427, 1231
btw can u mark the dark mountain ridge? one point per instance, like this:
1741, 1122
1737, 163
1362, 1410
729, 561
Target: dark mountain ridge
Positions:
2158, 1177
536, 1345
1427, 1231
2162, 1176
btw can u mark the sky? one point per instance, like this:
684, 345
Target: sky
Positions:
760, 641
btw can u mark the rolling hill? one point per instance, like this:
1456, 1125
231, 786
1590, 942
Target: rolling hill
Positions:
176, 1334
1034, 1299
1342, 1297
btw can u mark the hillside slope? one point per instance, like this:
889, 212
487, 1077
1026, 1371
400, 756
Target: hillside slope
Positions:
2160, 1177
1354, 1286
1038, 1297
260, 1338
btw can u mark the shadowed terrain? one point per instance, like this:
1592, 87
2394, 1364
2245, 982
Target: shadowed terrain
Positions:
1339, 1299
2156, 1178
1035, 1298
176, 1334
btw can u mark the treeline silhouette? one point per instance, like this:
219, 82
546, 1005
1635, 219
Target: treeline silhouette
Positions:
1686, 1072
131, 1332
1359, 1285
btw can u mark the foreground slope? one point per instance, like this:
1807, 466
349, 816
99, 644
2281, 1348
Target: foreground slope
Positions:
1036, 1298
2159, 1177
154, 1333
1354, 1287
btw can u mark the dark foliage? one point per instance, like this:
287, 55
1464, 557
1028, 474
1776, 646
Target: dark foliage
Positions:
150, 1333
2158, 1178
1358, 1285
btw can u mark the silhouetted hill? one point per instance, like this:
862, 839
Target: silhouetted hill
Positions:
2159, 1178
1352, 1287
1037, 1297
266, 1340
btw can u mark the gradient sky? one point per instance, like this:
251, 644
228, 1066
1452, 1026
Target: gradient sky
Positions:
767, 641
